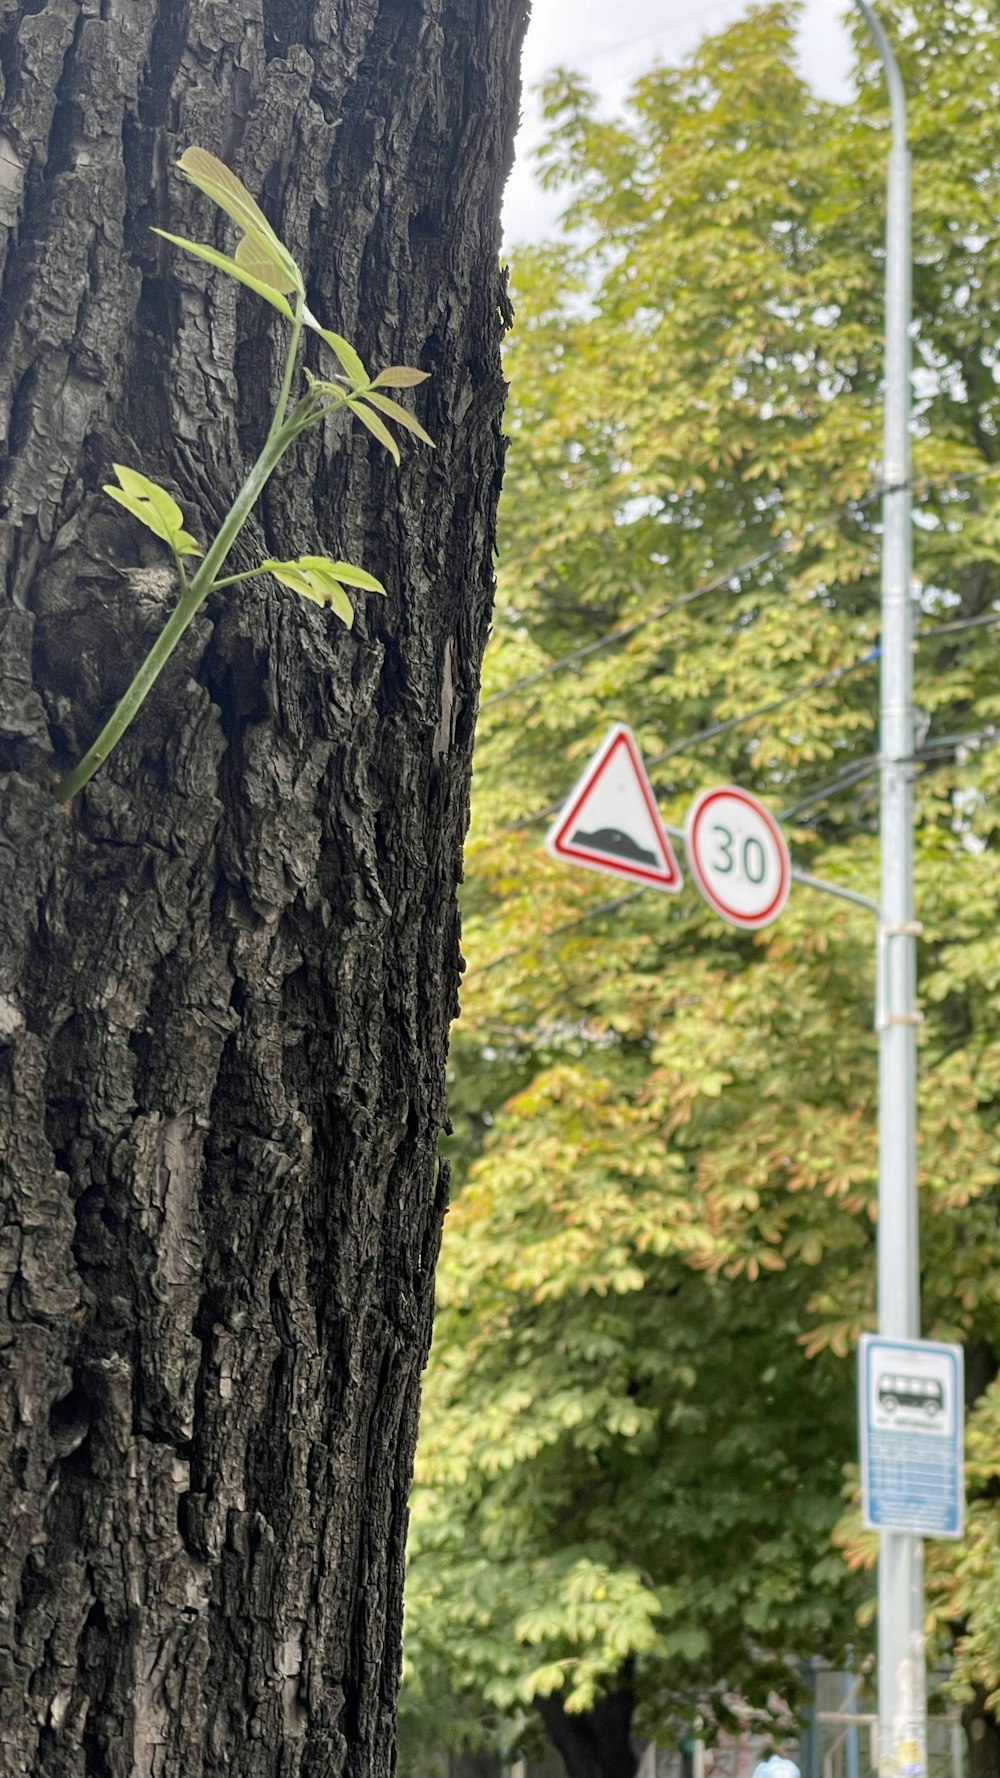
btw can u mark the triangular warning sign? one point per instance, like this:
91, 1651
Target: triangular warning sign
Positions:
611, 821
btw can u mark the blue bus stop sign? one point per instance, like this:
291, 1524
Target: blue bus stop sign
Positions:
910, 1402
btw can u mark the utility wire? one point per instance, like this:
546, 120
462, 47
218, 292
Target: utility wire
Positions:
604, 907
714, 729
863, 768
986, 619
853, 774
599, 57
962, 623
722, 728
969, 738
722, 582
870, 763
989, 618
611, 638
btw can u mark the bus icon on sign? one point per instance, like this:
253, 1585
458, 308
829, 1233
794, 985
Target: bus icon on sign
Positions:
921, 1394
910, 1412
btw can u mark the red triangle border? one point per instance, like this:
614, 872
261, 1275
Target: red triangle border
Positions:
669, 878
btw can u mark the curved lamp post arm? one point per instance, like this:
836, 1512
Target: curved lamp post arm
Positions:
897, 100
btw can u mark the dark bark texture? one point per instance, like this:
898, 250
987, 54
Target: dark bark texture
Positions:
982, 1738
595, 1743
226, 976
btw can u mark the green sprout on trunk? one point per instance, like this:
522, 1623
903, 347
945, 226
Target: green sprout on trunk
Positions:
263, 263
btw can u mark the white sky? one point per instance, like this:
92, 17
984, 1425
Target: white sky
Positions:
612, 43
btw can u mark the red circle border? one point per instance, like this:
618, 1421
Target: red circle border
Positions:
750, 922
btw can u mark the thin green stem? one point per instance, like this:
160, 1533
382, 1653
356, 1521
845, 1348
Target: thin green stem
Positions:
235, 579
291, 355
283, 431
191, 597
125, 710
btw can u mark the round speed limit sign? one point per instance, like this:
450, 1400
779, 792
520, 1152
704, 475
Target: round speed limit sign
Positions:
739, 859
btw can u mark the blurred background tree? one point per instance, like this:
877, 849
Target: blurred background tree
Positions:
639, 1414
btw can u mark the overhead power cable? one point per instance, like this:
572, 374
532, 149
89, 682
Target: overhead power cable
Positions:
600, 57
985, 619
714, 729
604, 907
971, 738
961, 623
723, 581
723, 728
862, 768
855, 773
870, 763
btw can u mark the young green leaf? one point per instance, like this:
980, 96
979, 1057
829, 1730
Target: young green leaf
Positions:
220, 183
232, 268
154, 508
141, 488
259, 259
346, 572
186, 545
399, 414
345, 354
400, 376
312, 578
376, 427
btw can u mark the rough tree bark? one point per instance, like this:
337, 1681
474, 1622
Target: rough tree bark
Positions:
226, 976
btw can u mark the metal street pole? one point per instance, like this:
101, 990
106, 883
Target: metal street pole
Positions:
902, 1703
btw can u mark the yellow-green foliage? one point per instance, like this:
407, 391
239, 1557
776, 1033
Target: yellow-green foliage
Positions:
639, 1407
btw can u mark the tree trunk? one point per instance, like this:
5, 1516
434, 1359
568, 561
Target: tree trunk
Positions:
226, 975
982, 1733
594, 1743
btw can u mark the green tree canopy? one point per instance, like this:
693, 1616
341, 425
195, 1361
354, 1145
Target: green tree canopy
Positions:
639, 1407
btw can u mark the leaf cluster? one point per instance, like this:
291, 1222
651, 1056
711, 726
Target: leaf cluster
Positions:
263, 264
